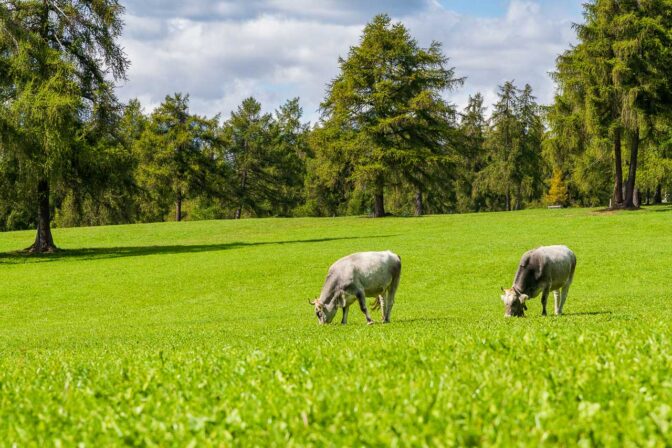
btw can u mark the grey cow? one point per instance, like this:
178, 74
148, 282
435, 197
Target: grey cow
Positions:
544, 269
356, 277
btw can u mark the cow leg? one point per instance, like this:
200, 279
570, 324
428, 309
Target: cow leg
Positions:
557, 301
382, 303
563, 297
362, 305
345, 314
388, 308
391, 292
544, 300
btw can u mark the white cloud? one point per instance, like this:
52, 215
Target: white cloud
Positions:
221, 52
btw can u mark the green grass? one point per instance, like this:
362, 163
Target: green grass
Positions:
200, 332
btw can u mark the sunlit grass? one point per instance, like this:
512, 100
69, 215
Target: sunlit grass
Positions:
201, 331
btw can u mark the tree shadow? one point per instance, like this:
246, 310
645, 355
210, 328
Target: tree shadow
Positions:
99, 253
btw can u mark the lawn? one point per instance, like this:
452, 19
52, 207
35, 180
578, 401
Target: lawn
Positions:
200, 333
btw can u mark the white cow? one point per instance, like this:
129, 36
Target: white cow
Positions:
356, 277
544, 269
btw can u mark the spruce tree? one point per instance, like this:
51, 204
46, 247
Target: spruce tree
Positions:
387, 112
57, 58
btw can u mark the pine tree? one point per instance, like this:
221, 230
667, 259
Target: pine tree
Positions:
56, 60
473, 126
620, 64
176, 156
387, 111
514, 148
248, 144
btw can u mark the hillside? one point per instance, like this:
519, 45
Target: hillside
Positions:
173, 332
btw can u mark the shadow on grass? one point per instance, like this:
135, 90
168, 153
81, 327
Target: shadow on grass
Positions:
665, 209
425, 320
587, 313
98, 253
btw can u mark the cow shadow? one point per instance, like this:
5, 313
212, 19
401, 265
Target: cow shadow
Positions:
98, 253
588, 313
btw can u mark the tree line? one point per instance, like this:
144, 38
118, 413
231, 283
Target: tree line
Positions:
388, 140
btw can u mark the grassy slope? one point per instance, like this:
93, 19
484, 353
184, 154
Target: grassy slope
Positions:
168, 333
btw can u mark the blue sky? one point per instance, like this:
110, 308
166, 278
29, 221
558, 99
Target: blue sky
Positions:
221, 51
498, 8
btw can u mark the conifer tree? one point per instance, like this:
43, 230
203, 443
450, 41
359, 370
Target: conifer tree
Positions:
56, 61
387, 113
175, 154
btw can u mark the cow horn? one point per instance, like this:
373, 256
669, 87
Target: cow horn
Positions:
312, 302
502, 288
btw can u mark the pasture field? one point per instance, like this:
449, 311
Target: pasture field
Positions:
199, 333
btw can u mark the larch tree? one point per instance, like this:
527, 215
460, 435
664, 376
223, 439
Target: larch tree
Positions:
290, 152
622, 62
386, 108
473, 126
514, 141
176, 155
57, 60
248, 140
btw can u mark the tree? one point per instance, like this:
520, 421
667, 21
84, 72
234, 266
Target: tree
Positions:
290, 151
473, 127
176, 156
514, 141
387, 111
620, 63
557, 193
56, 59
248, 141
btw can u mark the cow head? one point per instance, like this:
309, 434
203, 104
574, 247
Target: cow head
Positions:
514, 303
325, 312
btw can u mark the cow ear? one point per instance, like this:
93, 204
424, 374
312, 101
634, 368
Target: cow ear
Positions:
523, 298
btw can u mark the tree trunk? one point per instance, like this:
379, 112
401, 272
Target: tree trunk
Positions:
632, 172
507, 205
379, 200
44, 242
178, 207
243, 184
658, 196
419, 206
618, 165
519, 197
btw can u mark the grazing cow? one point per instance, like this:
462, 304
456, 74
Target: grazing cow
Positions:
544, 269
356, 277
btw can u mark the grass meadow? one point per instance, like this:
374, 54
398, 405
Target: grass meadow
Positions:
199, 333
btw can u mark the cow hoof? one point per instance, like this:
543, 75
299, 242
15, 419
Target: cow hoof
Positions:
370, 322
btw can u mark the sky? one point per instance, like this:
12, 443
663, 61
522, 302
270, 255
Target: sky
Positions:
223, 51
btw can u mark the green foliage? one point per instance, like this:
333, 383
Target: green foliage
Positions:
199, 333
614, 82
511, 174
176, 157
266, 156
57, 60
386, 114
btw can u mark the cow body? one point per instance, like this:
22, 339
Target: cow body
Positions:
541, 270
356, 277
